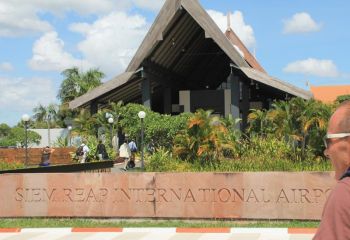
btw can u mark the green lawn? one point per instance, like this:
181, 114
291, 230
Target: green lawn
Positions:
93, 223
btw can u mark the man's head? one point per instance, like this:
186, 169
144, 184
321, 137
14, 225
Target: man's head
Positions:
338, 148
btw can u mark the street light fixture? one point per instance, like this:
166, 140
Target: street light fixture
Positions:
142, 115
69, 128
111, 121
25, 119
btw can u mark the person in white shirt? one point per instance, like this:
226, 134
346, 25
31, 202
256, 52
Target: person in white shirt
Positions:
125, 152
86, 150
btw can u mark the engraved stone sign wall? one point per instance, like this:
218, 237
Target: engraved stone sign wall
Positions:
269, 195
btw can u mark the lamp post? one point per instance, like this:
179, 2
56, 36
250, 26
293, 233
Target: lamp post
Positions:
69, 128
110, 121
142, 115
25, 119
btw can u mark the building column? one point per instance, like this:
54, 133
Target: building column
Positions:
167, 100
146, 89
245, 106
93, 107
235, 95
185, 100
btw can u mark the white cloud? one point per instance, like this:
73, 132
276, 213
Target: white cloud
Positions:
6, 67
17, 20
153, 5
18, 17
21, 94
315, 67
301, 23
111, 41
245, 32
49, 55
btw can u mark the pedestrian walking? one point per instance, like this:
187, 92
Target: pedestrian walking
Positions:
133, 149
125, 153
82, 152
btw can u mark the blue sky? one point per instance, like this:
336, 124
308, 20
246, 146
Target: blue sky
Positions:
296, 41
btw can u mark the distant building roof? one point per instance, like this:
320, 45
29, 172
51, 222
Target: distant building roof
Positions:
234, 39
328, 94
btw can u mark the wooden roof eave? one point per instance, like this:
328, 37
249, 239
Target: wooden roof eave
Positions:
276, 83
100, 90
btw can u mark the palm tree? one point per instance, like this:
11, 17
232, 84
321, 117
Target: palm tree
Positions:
84, 123
77, 83
314, 120
258, 122
46, 114
284, 117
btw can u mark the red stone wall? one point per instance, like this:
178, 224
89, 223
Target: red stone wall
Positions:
248, 195
60, 156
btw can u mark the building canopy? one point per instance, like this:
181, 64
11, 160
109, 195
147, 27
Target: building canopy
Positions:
185, 50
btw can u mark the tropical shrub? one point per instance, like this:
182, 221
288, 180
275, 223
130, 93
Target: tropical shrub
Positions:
205, 138
159, 129
163, 161
301, 123
258, 154
10, 165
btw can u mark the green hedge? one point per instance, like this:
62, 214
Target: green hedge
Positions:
257, 154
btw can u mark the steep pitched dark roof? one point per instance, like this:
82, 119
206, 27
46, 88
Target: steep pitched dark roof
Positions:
181, 23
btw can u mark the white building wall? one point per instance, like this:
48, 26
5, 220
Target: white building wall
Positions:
55, 134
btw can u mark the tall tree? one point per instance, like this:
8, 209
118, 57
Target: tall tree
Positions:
77, 83
4, 130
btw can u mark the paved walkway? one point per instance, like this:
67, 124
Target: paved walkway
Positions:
119, 167
157, 234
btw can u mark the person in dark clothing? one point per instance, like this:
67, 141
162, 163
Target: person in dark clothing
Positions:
101, 151
133, 149
46, 156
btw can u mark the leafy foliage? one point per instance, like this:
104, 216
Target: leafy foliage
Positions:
301, 123
342, 98
259, 153
10, 165
5, 130
16, 136
77, 83
205, 138
163, 161
160, 129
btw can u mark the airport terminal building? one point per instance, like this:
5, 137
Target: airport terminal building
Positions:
186, 62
